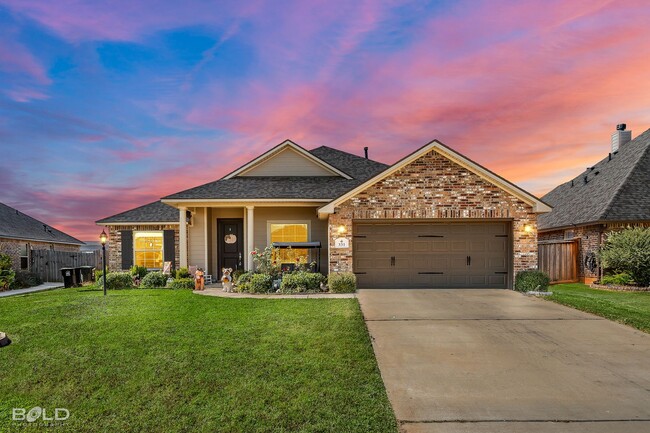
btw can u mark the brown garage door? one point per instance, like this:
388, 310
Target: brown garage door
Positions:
425, 255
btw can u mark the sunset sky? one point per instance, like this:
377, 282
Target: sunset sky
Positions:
107, 105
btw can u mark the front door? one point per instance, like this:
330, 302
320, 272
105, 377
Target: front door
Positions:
230, 244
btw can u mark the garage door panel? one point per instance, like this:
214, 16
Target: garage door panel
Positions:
422, 246
498, 263
431, 255
401, 246
384, 246
439, 245
458, 245
363, 245
478, 246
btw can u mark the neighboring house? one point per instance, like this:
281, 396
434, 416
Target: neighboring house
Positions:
434, 219
20, 234
611, 195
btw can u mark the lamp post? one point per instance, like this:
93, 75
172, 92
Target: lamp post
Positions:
102, 239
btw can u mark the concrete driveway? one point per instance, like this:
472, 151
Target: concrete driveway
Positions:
499, 361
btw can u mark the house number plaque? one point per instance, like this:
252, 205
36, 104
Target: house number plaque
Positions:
341, 243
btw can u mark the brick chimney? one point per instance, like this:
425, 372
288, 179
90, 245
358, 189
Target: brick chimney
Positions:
620, 137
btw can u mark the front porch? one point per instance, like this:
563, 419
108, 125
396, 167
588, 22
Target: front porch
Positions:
216, 236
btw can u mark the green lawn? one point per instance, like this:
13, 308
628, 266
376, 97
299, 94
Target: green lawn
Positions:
630, 308
173, 361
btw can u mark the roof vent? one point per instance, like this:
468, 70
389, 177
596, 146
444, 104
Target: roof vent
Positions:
620, 137
365, 151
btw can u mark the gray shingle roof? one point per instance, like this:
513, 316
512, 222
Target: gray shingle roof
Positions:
355, 166
324, 187
152, 212
16, 225
616, 190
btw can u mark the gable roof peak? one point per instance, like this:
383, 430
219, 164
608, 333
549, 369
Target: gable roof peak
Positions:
538, 205
280, 148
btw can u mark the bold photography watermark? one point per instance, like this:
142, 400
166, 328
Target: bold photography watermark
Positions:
41, 416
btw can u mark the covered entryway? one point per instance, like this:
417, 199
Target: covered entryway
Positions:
432, 255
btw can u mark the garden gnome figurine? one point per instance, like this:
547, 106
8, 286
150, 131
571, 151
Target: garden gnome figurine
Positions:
199, 282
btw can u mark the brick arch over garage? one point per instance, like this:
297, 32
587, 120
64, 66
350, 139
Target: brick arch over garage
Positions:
435, 189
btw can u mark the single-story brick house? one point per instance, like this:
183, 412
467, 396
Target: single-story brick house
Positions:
20, 234
611, 195
434, 219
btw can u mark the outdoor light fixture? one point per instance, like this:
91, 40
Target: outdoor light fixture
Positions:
342, 229
528, 228
103, 238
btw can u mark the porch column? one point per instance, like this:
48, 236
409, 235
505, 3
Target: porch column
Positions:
182, 236
250, 235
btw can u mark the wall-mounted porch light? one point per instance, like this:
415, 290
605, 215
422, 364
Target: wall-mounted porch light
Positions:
528, 228
341, 229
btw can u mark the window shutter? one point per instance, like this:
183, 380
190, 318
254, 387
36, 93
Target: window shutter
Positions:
127, 249
169, 247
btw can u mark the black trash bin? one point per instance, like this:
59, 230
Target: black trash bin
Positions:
68, 277
87, 274
77, 276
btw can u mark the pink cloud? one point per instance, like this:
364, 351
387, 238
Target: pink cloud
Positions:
533, 101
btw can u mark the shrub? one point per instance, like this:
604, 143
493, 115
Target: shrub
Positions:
621, 279
26, 279
260, 283
531, 279
98, 274
139, 271
628, 251
183, 273
7, 275
342, 282
302, 282
237, 273
117, 281
267, 261
182, 283
242, 281
154, 279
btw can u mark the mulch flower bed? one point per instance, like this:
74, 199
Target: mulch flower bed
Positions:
619, 288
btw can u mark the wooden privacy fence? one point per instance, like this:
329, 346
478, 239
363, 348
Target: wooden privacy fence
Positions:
559, 259
47, 264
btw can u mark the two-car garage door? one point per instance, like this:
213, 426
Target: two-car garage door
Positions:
432, 255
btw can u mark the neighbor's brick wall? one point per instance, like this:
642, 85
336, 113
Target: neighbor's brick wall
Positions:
590, 240
433, 187
12, 247
114, 249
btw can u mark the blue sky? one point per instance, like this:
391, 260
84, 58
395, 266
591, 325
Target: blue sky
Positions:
108, 105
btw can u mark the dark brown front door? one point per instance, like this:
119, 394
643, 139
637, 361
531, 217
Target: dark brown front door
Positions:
230, 244
432, 255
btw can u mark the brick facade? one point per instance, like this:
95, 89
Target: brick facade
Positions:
436, 189
590, 238
13, 247
114, 251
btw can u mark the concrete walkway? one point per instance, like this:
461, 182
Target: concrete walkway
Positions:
498, 361
217, 291
40, 288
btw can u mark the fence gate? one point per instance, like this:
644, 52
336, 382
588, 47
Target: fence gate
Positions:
559, 259
47, 264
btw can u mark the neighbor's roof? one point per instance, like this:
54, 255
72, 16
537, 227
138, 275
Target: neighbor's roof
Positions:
615, 190
299, 188
156, 212
16, 225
